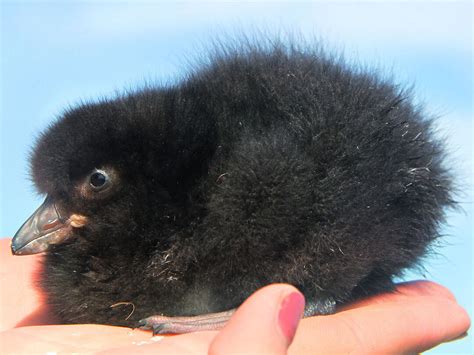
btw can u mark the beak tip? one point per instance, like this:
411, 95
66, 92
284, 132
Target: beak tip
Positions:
15, 249
43, 228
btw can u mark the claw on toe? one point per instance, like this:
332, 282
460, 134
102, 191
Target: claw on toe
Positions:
159, 329
143, 324
159, 325
151, 323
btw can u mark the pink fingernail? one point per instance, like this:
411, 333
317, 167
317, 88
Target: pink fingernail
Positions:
291, 310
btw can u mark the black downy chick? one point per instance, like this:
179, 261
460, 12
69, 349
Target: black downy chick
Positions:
267, 163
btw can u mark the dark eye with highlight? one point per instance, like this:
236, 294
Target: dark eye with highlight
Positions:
99, 180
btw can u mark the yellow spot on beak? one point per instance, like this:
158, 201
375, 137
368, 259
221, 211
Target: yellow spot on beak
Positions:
77, 220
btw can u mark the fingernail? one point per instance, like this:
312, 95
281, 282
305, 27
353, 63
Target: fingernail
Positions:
291, 310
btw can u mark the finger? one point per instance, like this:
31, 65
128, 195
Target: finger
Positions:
437, 321
411, 326
265, 323
421, 288
191, 343
81, 338
19, 296
414, 320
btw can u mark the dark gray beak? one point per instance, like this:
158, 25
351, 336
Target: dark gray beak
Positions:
44, 228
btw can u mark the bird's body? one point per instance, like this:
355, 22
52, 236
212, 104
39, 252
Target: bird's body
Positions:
266, 164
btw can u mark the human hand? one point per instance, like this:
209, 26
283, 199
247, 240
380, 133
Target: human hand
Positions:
418, 316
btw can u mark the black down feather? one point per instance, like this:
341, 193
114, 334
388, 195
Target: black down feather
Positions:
265, 163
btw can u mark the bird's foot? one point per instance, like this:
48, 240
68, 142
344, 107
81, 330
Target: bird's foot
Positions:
180, 325
322, 306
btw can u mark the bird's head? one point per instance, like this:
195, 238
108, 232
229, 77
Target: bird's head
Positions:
106, 167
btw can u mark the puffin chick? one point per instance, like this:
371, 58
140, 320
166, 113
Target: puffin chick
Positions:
168, 206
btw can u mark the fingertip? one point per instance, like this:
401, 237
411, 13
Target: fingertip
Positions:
265, 322
463, 322
290, 313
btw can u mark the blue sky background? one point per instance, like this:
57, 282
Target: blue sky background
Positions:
54, 54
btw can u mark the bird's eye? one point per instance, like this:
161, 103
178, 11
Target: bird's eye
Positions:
99, 183
99, 180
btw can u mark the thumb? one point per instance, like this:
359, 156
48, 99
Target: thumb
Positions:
265, 323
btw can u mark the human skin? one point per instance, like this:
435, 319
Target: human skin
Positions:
417, 317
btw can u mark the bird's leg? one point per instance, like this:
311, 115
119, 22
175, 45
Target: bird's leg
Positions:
180, 325
216, 321
322, 306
